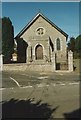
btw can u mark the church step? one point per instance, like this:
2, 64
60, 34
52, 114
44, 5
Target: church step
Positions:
38, 62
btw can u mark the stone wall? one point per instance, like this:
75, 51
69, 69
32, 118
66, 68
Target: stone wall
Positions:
28, 67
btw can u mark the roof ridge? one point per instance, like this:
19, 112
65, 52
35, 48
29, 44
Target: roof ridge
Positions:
34, 18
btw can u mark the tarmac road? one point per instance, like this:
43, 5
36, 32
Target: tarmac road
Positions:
62, 96
10, 78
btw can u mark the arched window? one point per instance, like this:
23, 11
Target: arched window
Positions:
39, 52
58, 44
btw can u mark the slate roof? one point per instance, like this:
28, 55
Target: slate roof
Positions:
44, 17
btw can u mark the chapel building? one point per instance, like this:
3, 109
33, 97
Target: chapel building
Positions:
45, 44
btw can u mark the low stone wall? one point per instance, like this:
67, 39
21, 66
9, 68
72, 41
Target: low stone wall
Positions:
28, 67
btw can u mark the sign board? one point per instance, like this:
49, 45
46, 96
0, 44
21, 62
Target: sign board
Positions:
14, 57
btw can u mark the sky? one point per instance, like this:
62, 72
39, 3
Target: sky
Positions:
38, 0
64, 14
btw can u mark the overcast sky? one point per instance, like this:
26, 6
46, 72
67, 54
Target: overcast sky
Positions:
64, 14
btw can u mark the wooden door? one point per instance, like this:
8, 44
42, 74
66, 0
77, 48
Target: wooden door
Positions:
39, 52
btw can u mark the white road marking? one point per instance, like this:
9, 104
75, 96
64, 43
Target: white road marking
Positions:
38, 85
26, 87
27, 75
15, 81
53, 84
2, 88
47, 85
62, 84
11, 88
44, 77
60, 74
76, 83
42, 73
43, 85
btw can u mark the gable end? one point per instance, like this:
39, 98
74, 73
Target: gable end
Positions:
34, 19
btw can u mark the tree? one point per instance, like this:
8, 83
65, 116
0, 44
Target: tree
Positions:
78, 44
75, 46
7, 39
71, 44
21, 49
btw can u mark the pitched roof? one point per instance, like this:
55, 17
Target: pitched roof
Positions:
34, 19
